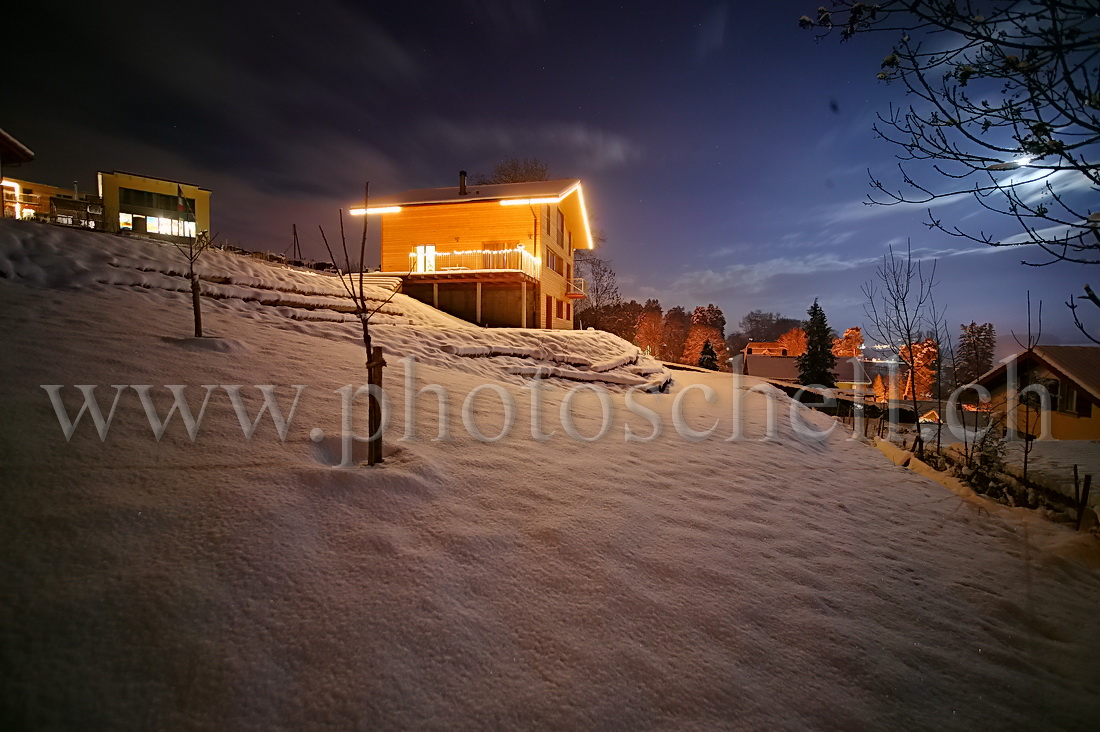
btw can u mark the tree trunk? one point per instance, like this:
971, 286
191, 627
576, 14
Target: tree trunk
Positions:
196, 303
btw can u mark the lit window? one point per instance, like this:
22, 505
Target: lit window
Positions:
126, 221
189, 228
152, 224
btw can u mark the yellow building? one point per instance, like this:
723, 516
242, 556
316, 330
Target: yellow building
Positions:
497, 255
153, 206
1070, 376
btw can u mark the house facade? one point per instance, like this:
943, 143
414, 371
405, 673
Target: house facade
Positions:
1071, 378
499, 255
151, 206
24, 199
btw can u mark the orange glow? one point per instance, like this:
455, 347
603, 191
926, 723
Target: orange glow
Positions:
529, 201
18, 193
374, 210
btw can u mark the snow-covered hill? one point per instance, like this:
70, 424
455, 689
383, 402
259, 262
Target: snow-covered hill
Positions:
50, 256
656, 576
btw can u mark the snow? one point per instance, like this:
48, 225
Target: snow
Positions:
680, 582
1050, 463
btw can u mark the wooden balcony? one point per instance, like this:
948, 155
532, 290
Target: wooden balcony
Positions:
460, 265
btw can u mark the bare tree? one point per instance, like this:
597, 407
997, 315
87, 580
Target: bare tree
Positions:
603, 290
1005, 108
352, 278
899, 307
191, 252
514, 170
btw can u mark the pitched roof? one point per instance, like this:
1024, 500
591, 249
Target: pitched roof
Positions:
785, 368
12, 151
1079, 363
494, 192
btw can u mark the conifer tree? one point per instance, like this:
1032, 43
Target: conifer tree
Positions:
976, 346
708, 359
815, 366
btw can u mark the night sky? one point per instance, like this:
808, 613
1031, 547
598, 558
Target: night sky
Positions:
724, 152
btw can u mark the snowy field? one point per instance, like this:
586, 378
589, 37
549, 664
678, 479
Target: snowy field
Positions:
678, 582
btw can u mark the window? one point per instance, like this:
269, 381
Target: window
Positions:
425, 258
568, 311
561, 228
558, 307
126, 221
554, 261
67, 220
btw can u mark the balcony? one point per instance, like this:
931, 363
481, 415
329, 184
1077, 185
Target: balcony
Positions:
425, 260
577, 288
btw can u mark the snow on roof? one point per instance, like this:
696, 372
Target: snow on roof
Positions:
493, 192
1079, 363
12, 151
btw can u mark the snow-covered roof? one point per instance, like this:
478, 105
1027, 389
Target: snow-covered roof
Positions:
1079, 363
494, 192
12, 151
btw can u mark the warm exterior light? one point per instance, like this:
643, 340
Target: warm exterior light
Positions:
529, 201
18, 193
584, 217
374, 210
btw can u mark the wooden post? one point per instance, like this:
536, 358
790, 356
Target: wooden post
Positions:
435, 295
523, 303
478, 317
374, 415
1084, 502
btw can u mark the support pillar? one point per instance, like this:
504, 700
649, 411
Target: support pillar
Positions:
435, 295
523, 304
478, 317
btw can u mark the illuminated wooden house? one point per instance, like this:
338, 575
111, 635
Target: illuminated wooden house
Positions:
498, 255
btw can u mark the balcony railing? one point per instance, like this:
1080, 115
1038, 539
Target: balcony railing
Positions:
577, 288
427, 261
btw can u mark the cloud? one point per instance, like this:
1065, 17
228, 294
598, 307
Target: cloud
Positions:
754, 277
712, 31
575, 142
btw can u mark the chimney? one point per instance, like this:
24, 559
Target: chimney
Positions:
462, 182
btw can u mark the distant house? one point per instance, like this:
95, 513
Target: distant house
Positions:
497, 255
152, 207
848, 375
1071, 375
12, 153
765, 348
24, 199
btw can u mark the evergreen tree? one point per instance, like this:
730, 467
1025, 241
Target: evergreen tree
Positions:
708, 359
815, 366
975, 356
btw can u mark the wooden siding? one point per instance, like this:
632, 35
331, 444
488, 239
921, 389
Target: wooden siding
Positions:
454, 228
479, 225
